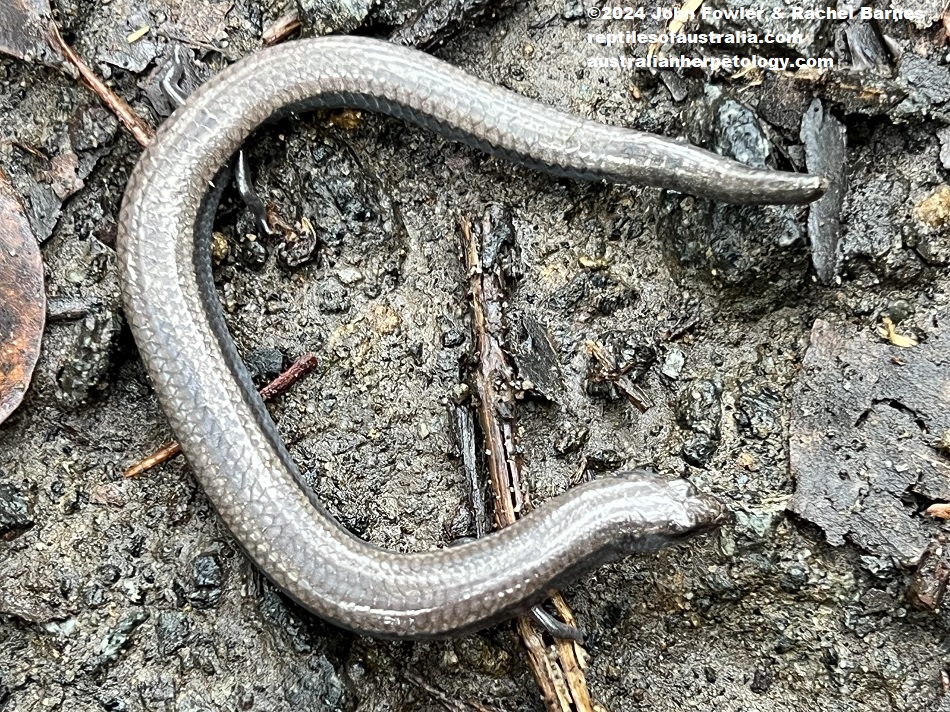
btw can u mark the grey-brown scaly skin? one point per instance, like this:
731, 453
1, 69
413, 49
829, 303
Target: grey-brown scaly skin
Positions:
220, 421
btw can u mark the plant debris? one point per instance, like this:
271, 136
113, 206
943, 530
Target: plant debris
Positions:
22, 300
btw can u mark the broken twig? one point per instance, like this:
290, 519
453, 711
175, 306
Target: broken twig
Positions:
298, 369
560, 676
136, 125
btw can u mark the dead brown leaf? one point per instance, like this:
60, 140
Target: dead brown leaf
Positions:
22, 300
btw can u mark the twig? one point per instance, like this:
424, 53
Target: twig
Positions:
298, 369
282, 28
138, 127
609, 372
449, 703
560, 676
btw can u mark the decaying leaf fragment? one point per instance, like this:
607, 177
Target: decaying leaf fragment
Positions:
22, 300
26, 31
889, 332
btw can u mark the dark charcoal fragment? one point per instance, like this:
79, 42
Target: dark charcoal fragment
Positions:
114, 641
867, 51
15, 516
207, 572
536, 358
88, 362
172, 631
265, 364
735, 244
825, 140
207, 576
700, 411
759, 409
251, 253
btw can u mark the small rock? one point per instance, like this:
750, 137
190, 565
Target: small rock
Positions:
571, 440
349, 276
673, 363
929, 585
794, 578
934, 210
207, 575
453, 338
761, 681
604, 460
334, 298
219, 247
114, 641
251, 253
944, 136
207, 571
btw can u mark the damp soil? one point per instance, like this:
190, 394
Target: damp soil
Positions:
120, 594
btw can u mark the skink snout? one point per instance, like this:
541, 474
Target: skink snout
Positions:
664, 512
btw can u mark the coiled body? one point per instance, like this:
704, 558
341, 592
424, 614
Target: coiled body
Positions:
222, 425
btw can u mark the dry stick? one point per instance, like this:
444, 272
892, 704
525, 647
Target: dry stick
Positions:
282, 28
449, 703
142, 132
298, 369
559, 678
630, 390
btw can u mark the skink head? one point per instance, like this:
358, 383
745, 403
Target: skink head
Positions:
663, 512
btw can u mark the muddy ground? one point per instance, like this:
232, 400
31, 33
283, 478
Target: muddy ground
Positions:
123, 594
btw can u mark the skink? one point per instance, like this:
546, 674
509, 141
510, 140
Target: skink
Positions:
226, 433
